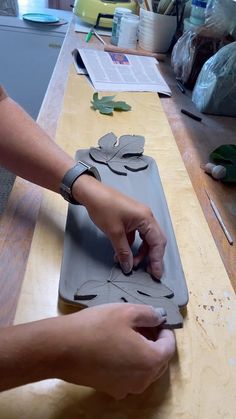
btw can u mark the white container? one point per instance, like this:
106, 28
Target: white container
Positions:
156, 31
198, 8
188, 26
119, 13
128, 33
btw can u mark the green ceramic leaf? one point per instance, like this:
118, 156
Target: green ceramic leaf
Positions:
106, 110
106, 104
122, 106
104, 99
225, 155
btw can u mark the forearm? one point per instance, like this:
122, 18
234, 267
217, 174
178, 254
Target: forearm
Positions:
27, 150
27, 353
90, 348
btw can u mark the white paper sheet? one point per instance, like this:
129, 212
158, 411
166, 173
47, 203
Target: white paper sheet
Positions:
123, 72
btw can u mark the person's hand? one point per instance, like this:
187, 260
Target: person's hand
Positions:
102, 347
119, 217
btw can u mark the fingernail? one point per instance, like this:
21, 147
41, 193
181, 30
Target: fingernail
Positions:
161, 311
126, 268
157, 269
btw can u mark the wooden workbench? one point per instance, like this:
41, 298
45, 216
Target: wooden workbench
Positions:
201, 382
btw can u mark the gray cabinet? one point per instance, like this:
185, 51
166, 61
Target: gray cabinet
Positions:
28, 54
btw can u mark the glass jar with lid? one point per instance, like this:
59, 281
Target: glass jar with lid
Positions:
119, 13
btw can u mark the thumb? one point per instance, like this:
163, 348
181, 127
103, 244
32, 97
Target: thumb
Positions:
122, 251
148, 316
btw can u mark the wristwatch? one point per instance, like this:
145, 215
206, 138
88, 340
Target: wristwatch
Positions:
70, 177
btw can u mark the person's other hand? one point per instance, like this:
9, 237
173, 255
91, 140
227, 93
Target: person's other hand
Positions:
102, 347
119, 217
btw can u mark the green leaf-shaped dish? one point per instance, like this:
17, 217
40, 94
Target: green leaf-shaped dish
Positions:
225, 155
106, 105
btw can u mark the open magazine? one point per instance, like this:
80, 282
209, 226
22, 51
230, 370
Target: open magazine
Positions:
112, 71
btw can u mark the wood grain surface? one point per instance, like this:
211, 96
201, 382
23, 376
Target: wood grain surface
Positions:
195, 141
16, 231
201, 380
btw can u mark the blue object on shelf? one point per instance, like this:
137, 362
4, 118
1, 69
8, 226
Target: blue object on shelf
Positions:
40, 18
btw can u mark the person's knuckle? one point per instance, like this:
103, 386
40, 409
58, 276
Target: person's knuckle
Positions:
116, 231
147, 212
131, 311
126, 312
123, 254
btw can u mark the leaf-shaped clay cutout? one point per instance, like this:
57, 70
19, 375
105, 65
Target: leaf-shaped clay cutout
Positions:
102, 153
174, 319
117, 167
122, 157
108, 141
98, 155
113, 293
139, 281
135, 163
131, 145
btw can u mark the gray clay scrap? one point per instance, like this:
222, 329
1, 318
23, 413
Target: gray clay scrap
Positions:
89, 275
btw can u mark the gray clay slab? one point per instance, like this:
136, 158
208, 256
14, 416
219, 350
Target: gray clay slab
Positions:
88, 273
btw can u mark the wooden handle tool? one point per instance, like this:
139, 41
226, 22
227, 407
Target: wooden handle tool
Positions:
113, 48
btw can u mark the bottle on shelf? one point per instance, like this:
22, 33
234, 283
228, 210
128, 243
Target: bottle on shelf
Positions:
119, 13
198, 8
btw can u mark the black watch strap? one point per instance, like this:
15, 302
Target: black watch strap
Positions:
70, 177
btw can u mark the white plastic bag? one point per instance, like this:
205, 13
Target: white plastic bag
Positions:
215, 89
191, 51
220, 17
182, 56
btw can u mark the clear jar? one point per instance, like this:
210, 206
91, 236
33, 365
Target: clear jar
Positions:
119, 13
128, 33
198, 9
